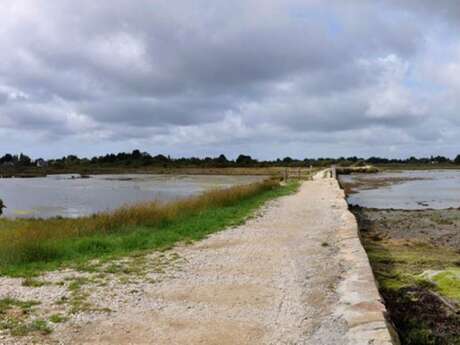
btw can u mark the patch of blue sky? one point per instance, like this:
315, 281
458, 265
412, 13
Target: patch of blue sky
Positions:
320, 16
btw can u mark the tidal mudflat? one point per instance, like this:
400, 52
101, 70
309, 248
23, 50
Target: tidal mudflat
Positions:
73, 196
413, 242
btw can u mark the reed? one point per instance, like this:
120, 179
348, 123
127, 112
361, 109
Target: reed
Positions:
141, 226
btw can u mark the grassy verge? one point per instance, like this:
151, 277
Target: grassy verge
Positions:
28, 247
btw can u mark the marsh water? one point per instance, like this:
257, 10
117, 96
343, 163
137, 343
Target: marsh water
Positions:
73, 196
409, 190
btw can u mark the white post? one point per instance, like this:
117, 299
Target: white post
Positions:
334, 172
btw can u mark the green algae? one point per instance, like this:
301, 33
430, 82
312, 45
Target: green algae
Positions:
448, 283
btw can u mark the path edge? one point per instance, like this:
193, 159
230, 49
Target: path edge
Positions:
360, 303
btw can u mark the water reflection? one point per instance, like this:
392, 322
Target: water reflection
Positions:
435, 189
72, 196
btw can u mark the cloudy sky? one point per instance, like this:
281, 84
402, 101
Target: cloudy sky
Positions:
270, 78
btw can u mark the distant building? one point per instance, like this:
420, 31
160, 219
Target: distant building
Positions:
41, 163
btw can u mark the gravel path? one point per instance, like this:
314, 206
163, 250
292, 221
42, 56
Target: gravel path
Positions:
273, 280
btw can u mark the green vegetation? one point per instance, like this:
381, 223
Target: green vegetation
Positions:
78, 300
448, 283
77, 283
403, 271
32, 282
57, 318
38, 325
28, 247
13, 317
19, 329
7, 304
417, 270
136, 161
401, 264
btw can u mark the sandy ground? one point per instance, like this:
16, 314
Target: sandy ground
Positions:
273, 280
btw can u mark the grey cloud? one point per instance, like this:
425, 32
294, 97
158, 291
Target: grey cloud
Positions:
164, 69
444, 9
3, 98
157, 112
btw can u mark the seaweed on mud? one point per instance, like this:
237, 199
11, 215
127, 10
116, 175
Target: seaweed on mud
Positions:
421, 318
402, 247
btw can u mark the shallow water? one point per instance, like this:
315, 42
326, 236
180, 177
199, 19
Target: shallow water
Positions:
429, 189
71, 196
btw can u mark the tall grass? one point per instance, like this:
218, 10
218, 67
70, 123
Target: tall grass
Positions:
141, 226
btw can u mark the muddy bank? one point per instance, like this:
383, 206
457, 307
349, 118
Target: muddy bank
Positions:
408, 251
365, 182
439, 228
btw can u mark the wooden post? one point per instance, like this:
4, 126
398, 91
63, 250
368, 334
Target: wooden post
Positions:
334, 172
285, 174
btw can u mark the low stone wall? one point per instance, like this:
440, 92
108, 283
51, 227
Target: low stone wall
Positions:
360, 303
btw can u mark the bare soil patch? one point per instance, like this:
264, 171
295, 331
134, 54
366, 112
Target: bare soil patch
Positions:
365, 183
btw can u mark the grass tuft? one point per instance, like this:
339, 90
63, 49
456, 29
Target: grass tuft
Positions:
14, 312
20, 329
7, 304
57, 318
32, 282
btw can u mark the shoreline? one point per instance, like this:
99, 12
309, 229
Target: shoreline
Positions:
30, 245
235, 170
403, 246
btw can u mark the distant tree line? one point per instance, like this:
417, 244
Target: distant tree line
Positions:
16, 160
137, 158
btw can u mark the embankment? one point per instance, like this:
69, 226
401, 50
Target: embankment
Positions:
360, 303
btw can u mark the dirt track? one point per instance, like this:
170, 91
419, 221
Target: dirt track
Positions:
274, 280
270, 281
